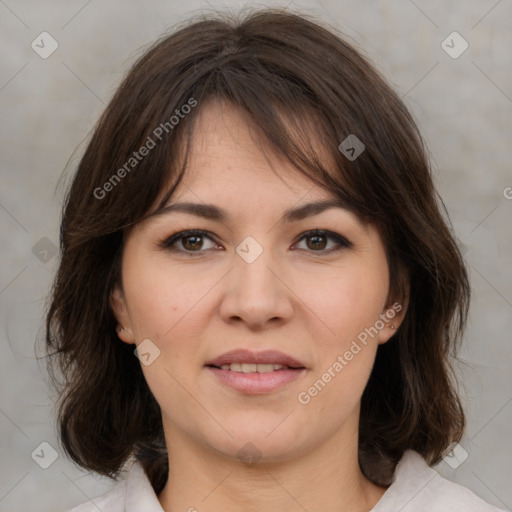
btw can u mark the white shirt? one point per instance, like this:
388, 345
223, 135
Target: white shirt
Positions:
416, 487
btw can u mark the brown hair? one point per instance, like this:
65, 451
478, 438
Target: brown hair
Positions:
284, 71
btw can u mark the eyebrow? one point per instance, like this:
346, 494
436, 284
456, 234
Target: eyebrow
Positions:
212, 212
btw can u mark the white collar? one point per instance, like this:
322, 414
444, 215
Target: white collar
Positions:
140, 495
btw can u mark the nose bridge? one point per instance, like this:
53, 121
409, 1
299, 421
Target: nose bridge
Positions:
252, 267
255, 293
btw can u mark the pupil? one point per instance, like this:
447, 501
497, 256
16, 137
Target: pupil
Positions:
192, 246
317, 237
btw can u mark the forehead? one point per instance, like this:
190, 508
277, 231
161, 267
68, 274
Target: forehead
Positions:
234, 175
228, 152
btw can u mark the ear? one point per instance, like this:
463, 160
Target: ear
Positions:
394, 312
124, 325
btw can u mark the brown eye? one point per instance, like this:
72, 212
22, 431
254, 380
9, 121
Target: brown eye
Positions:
318, 240
190, 241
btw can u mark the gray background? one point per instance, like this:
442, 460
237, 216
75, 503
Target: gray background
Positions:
48, 107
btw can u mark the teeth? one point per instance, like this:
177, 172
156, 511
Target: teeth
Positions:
252, 368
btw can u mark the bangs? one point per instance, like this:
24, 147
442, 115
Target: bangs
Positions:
295, 132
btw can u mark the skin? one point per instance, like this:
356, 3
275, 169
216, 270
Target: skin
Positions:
296, 297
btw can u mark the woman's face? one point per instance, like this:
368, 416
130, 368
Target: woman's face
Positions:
257, 282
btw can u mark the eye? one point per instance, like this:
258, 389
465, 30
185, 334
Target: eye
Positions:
319, 241
192, 241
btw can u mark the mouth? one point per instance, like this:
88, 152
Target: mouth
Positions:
255, 372
254, 368
249, 361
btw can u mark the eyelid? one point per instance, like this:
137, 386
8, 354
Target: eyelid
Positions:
341, 241
169, 241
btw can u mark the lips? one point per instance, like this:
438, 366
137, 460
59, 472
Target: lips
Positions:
246, 357
256, 373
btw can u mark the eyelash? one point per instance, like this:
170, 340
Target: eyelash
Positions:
168, 243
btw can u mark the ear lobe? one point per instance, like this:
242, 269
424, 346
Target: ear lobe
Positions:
392, 317
118, 305
394, 313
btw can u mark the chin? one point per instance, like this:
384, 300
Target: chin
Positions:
267, 439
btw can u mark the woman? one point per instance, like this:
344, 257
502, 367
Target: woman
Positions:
258, 294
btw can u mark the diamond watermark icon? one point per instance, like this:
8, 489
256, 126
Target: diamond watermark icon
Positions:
454, 45
351, 147
44, 250
455, 455
147, 352
45, 455
44, 45
249, 250
249, 454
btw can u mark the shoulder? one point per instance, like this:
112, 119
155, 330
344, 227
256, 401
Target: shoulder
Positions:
417, 487
133, 494
112, 501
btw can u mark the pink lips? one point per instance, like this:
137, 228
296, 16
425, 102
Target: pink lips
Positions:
256, 383
263, 357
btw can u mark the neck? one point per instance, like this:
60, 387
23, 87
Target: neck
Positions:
326, 478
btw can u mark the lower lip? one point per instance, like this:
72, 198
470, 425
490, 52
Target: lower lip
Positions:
256, 383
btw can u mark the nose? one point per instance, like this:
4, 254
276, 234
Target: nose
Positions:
257, 293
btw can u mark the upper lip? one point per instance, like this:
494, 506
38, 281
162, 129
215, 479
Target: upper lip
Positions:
263, 357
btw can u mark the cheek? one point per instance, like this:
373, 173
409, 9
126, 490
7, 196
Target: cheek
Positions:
161, 299
345, 302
